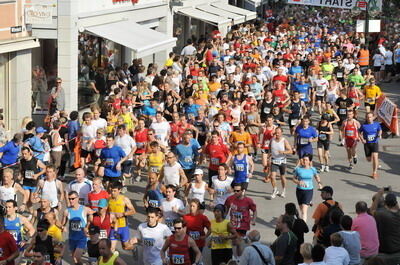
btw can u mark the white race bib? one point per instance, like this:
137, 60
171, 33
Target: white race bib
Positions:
304, 141
294, 122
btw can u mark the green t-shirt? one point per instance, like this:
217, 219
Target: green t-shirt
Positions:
356, 79
327, 69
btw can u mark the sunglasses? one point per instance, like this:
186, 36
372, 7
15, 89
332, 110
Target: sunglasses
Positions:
178, 228
149, 134
170, 156
237, 190
40, 230
71, 199
58, 82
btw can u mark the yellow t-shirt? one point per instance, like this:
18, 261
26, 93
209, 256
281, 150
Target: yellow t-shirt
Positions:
155, 161
213, 87
371, 92
169, 62
237, 137
127, 121
219, 229
118, 206
55, 232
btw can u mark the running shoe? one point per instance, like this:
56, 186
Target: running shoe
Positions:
355, 160
326, 168
274, 193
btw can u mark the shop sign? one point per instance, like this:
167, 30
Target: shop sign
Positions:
374, 5
16, 29
39, 14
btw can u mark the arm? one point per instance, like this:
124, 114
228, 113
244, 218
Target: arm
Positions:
378, 197
196, 250
28, 226
163, 250
119, 261
130, 209
183, 178
24, 193
288, 148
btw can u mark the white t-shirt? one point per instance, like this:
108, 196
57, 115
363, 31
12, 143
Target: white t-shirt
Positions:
100, 123
378, 60
171, 174
336, 256
169, 215
230, 69
389, 58
153, 239
88, 133
161, 131
126, 142
320, 86
82, 188
221, 189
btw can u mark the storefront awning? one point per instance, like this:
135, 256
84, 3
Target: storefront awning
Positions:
205, 16
237, 10
142, 40
237, 18
18, 44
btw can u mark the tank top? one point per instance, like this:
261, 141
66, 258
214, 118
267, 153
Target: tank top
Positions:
40, 214
354, 96
276, 147
295, 107
7, 193
141, 140
322, 136
29, 168
14, 227
46, 244
105, 225
118, 206
57, 148
241, 167
219, 229
279, 97
267, 136
49, 191
77, 222
110, 261
197, 193
179, 251
350, 130
155, 196
156, 161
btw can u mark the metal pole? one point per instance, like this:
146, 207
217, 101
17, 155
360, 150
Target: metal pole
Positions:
366, 30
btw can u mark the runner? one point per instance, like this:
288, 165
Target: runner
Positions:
188, 155
320, 86
97, 193
153, 195
172, 208
107, 255
371, 93
81, 185
103, 220
128, 145
325, 134
9, 190
349, 132
222, 186
51, 188
172, 172
296, 109
197, 189
141, 139
305, 135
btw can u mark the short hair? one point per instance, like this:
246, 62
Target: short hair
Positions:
14, 203
9, 171
215, 133
44, 223
346, 222
288, 220
107, 241
110, 136
86, 115
361, 207
154, 144
307, 155
72, 192
30, 125
179, 221
336, 240
121, 127
154, 210
375, 261
290, 208
116, 185
318, 253
224, 165
25, 149
170, 186
50, 166
17, 138
306, 250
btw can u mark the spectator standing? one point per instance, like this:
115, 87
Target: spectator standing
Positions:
256, 252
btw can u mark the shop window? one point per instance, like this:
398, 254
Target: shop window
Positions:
4, 111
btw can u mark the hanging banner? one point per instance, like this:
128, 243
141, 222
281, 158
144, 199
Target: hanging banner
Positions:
386, 111
374, 5
39, 14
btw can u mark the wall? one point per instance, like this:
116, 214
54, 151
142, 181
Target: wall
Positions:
11, 15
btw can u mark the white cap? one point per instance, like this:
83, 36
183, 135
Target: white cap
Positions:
198, 171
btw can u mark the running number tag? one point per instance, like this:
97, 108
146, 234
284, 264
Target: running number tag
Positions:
350, 133
304, 141
217, 240
342, 111
215, 161
75, 225
103, 233
278, 161
195, 235
221, 192
139, 145
370, 100
239, 167
148, 242
371, 137
153, 203
169, 223
29, 174
267, 110
178, 259
154, 169
14, 234
320, 89
266, 143
294, 122
188, 159
237, 216
109, 162
339, 74
302, 95
322, 137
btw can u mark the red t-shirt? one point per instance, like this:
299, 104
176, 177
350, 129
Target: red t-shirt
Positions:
282, 78
7, 246
240, 211
141, 139
195, 225
94, 198
218, 155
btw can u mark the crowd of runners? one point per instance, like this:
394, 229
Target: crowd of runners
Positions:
193, 130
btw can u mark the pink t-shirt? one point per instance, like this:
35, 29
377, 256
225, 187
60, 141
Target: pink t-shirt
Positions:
365, 225
240, 211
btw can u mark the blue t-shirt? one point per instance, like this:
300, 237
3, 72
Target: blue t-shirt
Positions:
304, 135
73, 128
187, 155
257, 89
37, 147
149, 111
10, 153
306, 175
111, 157
397, 55
370, 132
192, 109
303, 90
295, 70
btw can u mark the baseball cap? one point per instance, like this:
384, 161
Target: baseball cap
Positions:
390, 200
198, 171
251, 95
94, 230
102, 203
327, 189
40, 130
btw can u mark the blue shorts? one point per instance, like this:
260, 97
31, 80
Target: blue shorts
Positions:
77, 243
122, 234
304, 196
32, 189
302, 150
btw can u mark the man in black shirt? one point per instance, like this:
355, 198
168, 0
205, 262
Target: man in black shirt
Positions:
100, 85
284, 247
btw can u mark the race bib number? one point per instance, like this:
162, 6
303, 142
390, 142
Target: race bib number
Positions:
188, 159
239, 167
75, 225
215, 161
103, 233
277, 99
154, 169
302, 95
266, 143
169, 223
217, 240
323, 137
148, 242
339, 75
320, 89
370, 100
47, 258
342, 111
154, 203
195, 235
140, 145
109, 162
350, 133
294, 122
178, 259
278, 161
158, 136
29, 174
304, 141
371, 137
221, 192
14, 234
267, 110
237, 216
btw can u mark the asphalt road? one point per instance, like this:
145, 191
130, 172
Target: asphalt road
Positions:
349, 187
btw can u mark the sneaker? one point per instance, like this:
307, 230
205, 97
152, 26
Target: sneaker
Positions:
355, 160
350, 166
326, 168
274, 193
322, 168
283, 193
312, 109
138, 179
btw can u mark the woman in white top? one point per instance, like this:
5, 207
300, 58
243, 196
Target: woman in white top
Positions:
379, 61
221, 184
198, 188
332, 93
56, 145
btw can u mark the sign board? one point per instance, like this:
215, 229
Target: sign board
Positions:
39, 14
386, 111
374, 5
374, 25
16, 29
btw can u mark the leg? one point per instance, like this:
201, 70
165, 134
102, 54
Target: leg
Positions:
320, 156
375, 163
303, 212
77, 256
